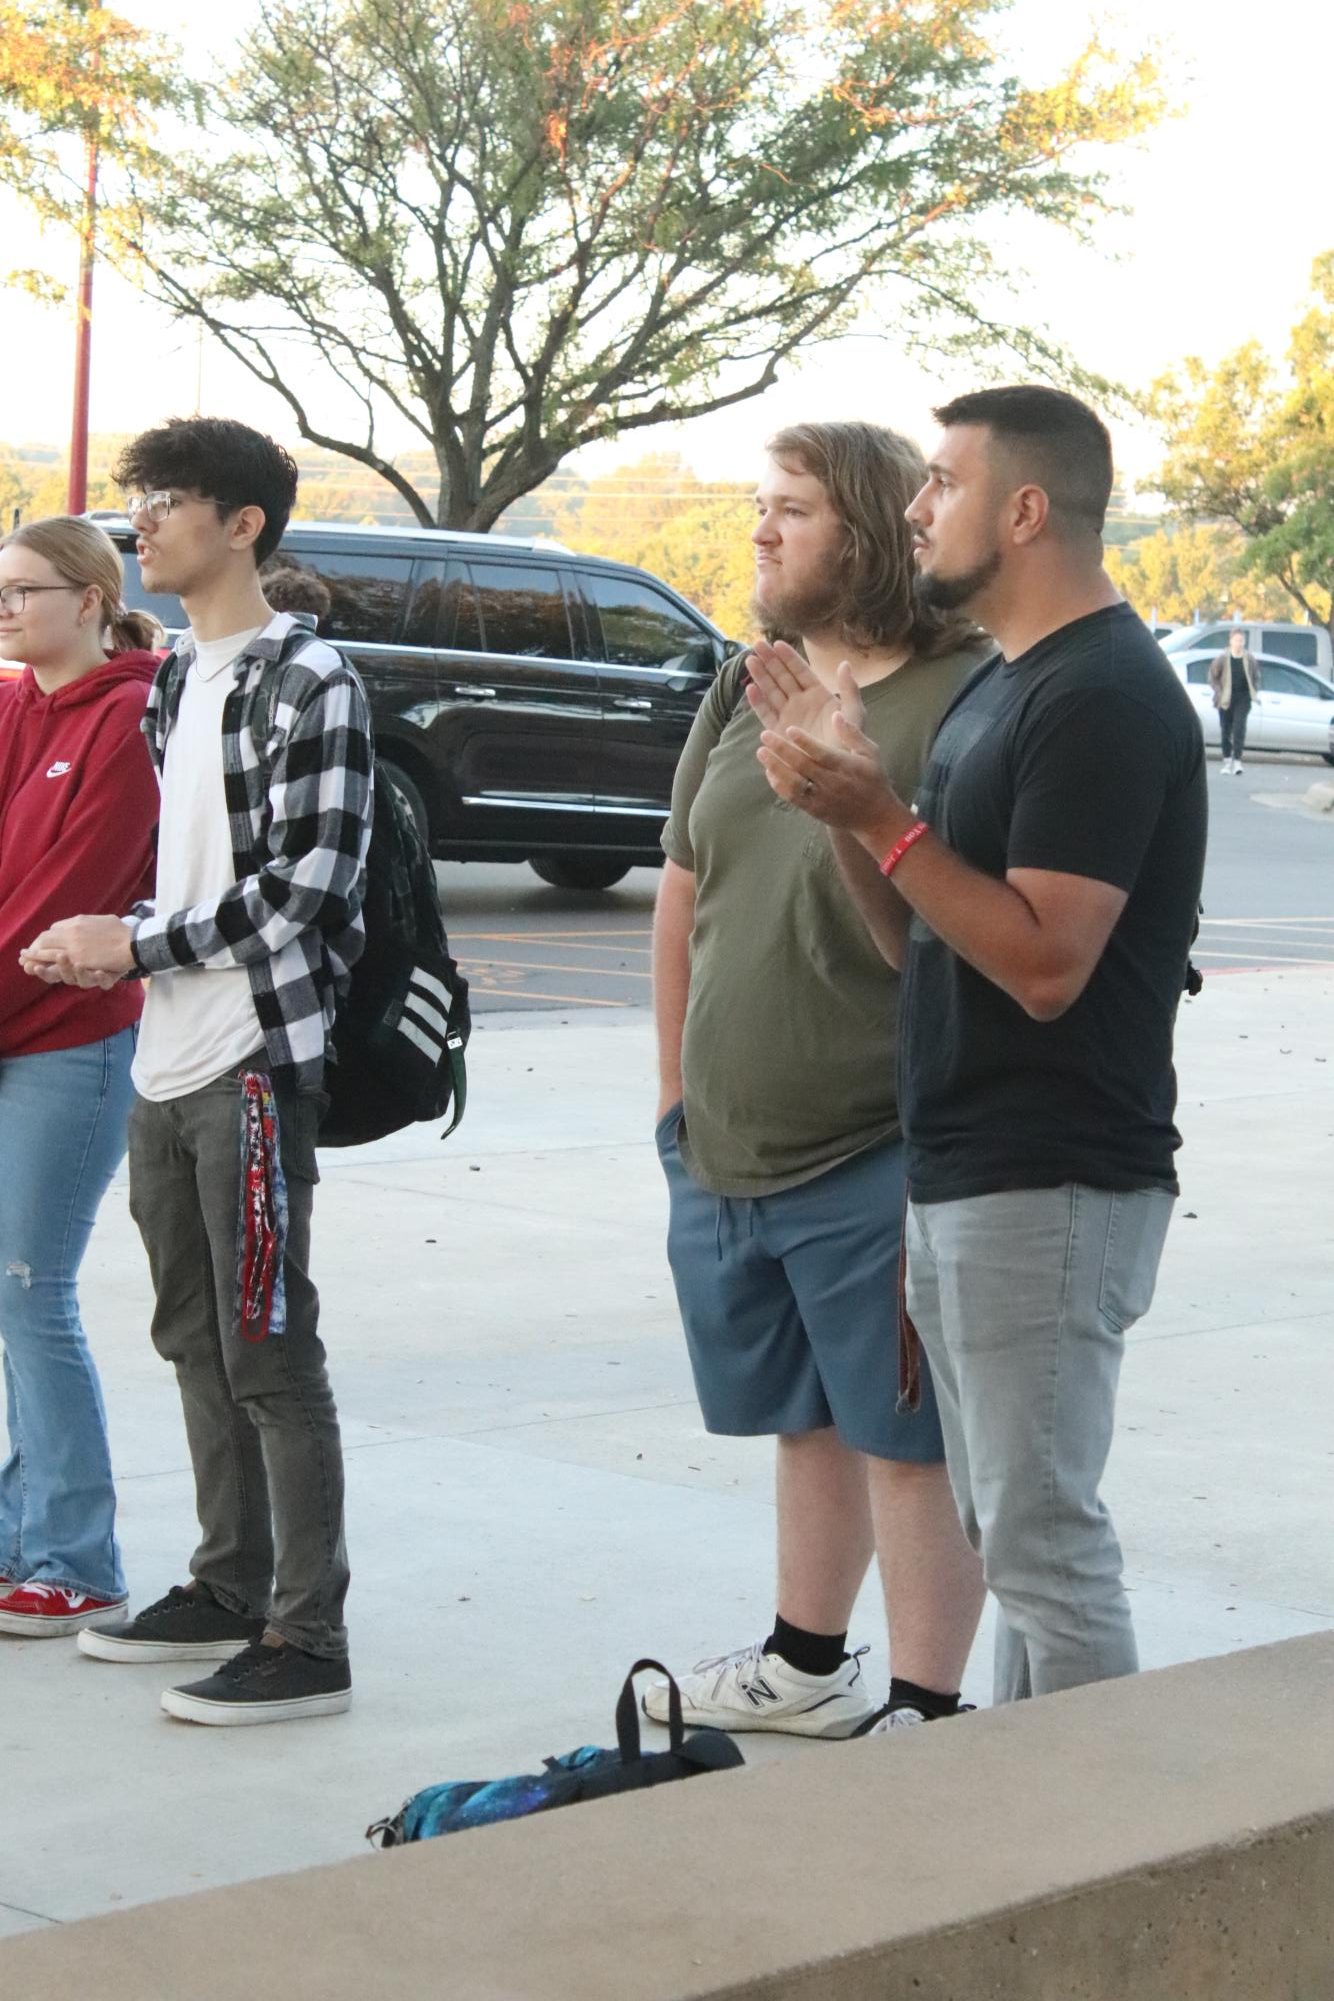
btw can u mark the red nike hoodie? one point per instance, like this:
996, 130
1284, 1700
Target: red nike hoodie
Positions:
78, 808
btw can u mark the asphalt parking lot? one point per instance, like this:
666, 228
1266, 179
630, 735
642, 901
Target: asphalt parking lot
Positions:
1268, 901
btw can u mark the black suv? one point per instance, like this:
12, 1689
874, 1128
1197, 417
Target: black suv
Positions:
531, 703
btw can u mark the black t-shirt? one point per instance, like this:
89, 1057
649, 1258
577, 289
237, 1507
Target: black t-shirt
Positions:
1083, 756
1241, 687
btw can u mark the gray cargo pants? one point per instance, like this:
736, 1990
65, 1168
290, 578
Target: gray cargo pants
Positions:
260, 1417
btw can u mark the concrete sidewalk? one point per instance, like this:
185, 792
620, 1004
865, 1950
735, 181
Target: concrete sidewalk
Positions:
533, 1501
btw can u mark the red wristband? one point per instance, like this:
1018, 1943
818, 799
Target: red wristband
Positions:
901, 847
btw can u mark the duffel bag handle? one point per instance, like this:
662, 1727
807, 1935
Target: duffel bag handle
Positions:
627, 1712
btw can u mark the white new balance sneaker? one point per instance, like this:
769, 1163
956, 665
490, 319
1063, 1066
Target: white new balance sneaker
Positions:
906, 1718
752, 1690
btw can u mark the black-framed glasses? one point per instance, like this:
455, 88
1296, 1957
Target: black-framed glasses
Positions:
13, 597
157, 506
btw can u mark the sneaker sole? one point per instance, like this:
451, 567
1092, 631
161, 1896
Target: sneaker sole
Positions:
42, 1626
114, 1647
194, 1709
807, 1723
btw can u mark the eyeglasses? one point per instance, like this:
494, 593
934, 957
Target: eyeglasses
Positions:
157, 506
13, 597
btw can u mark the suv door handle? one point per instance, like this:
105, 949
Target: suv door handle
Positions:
631, 702
476, 694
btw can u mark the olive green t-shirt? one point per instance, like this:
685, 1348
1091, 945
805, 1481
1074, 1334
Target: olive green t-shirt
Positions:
788, 1052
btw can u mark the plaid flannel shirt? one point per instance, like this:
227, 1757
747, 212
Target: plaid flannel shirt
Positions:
300, 819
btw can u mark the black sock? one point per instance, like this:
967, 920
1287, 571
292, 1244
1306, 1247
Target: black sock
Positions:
808, 1653
911, 1695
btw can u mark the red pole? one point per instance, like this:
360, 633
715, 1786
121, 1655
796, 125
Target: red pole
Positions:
77, 499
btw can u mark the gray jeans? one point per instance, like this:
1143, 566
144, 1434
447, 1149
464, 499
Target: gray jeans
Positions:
259, 1416
1022, 1301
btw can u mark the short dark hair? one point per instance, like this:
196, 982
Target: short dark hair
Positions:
1052, 438
220, 460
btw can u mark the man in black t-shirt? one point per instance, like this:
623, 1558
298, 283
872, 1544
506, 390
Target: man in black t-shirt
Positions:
1045, 888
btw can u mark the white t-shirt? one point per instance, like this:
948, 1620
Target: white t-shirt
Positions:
200, 1022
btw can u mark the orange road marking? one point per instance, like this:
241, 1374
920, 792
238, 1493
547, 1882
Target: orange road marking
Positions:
546, 937
543, 966
565, 1000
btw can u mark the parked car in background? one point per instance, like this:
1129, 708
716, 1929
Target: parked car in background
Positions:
530, 703
1294, 710
1307, 645
1163, 631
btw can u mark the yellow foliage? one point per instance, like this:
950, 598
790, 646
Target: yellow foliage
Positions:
659, 515
1195, 571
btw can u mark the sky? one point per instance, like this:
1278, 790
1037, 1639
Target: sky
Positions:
1229, 202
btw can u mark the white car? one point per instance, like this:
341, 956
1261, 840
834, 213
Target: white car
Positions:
1306, 645
1294, 710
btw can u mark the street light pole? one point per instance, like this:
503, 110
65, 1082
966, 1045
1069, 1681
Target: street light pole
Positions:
77, 499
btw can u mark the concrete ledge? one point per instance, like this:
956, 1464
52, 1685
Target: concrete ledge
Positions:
1165, 1838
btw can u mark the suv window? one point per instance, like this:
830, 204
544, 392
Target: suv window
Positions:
1302, 646
1218, 638
166, 609
522, 609
367, 593
443, 613
640, 627
1197, 670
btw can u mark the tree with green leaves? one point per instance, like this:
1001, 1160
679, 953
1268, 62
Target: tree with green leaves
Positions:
1193, 570
525, 228
1252, 445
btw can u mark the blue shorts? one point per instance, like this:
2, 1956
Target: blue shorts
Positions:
790, 1304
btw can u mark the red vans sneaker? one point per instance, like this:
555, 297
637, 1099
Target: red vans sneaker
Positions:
49, 1611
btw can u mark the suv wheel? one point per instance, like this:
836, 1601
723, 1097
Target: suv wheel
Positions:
579, 871
410, 797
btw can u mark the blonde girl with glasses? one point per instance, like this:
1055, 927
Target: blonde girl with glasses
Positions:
78, 806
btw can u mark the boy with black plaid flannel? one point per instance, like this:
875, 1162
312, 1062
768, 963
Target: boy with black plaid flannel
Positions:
250, 938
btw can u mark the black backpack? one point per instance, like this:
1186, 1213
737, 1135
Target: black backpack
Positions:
401, 1029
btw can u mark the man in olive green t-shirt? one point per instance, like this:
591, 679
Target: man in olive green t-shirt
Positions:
778, 1128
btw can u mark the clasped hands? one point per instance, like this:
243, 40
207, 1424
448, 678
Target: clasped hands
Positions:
81, 952
814, 747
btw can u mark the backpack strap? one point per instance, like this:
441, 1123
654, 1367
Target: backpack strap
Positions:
266, 701
735, 678
458, 1070
627, 1713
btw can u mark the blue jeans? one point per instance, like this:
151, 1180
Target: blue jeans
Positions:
63, 1117
1022, 1301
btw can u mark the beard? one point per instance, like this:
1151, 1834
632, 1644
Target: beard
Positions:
957, 592
794, 614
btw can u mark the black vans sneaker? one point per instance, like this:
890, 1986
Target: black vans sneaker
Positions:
187, 1625
271, 1682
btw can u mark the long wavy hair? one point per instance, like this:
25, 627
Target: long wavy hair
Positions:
871, 474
